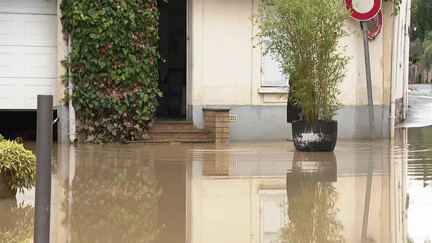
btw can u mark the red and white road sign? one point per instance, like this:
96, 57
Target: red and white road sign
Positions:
363, 10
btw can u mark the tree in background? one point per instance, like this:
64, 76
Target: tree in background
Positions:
421, 19
421, 33
426, 56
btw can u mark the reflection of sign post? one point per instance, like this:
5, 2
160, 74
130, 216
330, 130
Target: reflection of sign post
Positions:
364, 10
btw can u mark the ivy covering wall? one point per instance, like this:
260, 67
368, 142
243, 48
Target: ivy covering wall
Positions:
113, 66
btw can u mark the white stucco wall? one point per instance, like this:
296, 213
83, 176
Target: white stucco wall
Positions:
353, 88
222, 52
226, 61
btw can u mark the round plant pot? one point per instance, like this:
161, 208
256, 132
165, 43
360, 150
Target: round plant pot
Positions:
5, 190
314, 136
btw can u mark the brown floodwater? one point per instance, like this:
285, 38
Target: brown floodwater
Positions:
242, 192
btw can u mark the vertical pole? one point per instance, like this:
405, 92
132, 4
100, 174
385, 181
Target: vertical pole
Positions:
368, 80
367, 199
43, 168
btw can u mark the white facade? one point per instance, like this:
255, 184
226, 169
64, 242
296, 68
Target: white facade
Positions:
28, 53
224, 68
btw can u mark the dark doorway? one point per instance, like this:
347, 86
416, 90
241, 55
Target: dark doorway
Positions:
172, 72
22, 124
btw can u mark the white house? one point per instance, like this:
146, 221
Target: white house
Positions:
212, 62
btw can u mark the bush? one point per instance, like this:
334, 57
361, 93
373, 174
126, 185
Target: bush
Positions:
113, 66
18, 165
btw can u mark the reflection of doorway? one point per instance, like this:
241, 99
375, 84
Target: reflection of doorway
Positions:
172, 72
171, 177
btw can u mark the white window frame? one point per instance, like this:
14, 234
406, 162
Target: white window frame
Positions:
282, 211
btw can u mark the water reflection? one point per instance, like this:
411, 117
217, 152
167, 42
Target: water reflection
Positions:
419, 185
253, 199
244, 192
312, 200
122, 194
113, 206
16, 224
420, 157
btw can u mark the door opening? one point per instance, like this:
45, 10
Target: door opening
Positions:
172, 72
19, 123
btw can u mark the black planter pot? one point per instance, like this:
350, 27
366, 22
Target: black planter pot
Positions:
314, 136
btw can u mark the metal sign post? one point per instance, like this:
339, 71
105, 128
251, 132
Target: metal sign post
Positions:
364, 10
368, 80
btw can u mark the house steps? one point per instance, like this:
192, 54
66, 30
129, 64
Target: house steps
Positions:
178, 131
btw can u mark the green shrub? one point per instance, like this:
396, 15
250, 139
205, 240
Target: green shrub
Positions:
18, 164
113, 66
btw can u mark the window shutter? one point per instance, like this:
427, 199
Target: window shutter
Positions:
272, 75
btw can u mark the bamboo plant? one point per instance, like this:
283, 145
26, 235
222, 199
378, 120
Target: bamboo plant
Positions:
304, 37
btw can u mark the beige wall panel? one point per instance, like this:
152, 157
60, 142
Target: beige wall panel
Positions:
227, 53
225, 95
387, 33
226, 62
353, 88
195, 53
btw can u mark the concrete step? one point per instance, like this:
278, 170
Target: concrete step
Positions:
173, 141
177, 135
178, 131
172, 126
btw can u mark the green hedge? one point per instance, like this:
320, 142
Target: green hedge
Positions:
113, 66
18, 164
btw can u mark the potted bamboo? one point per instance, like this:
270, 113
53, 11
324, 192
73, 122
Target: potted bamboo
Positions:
304, 37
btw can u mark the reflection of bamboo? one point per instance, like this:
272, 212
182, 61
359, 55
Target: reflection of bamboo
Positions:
367, 199
312, 214
312, 199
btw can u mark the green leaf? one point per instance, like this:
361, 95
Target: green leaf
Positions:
122, 108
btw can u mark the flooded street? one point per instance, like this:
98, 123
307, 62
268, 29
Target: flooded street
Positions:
244, 192
364, 191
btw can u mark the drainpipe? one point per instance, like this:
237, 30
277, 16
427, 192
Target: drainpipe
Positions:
394, 76
392, 117
72, 125
406, 59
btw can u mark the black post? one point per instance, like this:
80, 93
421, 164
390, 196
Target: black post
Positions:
43, 168
368, 80
367, 199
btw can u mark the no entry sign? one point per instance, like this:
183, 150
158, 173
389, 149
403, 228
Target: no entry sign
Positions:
363, 10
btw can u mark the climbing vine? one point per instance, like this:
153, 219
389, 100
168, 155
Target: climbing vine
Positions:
396, 9
113, 66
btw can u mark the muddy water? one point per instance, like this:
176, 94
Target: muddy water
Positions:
244, 192
419, 186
